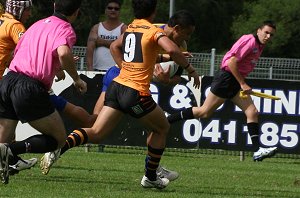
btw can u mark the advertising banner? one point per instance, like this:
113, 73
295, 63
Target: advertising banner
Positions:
225, 129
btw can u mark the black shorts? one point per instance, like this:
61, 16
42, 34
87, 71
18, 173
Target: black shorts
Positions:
225, 85
128, 100
23, 98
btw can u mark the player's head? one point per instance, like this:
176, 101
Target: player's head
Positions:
67, 7
20, 9
266, 31
143, 9
108, 2
112, 8
183, 24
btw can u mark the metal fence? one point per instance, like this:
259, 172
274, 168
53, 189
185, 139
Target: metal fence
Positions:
208, 63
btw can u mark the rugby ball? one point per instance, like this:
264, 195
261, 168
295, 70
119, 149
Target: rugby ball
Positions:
173, 67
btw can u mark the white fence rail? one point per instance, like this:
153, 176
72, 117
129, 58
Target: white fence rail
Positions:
208, 63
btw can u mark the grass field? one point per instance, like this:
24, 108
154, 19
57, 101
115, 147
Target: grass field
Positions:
113, 174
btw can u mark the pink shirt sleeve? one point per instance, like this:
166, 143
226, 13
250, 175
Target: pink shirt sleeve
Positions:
247, 51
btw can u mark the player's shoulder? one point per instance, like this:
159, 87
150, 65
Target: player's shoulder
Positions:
247, 37
159, 25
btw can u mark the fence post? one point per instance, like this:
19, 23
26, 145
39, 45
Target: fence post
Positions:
212, 61
81, 63
271, 72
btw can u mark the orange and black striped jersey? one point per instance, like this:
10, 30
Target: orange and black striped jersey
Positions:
10, 32
140, 50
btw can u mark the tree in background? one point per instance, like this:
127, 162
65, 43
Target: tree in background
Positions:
213, 22
286, 16
218, 23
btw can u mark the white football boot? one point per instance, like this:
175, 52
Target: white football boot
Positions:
159, 183
263, 153
48, 160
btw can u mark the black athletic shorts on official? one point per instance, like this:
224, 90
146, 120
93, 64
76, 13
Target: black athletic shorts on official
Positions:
225, 85
128, 100
23, 98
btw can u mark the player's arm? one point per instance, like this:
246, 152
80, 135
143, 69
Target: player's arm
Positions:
172, 49
123, 28
67, 62
91, 45
177, 77
233, 65
116, 51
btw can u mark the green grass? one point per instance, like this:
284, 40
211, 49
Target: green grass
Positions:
112, 174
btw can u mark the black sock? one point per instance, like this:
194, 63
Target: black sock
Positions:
253, 130
76, 138
34, 144
152, 162
182, 115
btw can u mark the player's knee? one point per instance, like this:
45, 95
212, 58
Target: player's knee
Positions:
252, 113
163, 129
202, 114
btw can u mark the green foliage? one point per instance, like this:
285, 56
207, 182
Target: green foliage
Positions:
218, 22
286, 15
94, 174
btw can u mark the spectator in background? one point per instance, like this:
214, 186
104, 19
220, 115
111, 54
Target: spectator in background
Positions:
98, 55
237, 63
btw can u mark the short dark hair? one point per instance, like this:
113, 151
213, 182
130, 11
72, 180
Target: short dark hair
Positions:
182, 18
113, 1
143, 8
268, 23
67, 7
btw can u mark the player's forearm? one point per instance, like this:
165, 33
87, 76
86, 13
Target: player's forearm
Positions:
233, 65
67, 62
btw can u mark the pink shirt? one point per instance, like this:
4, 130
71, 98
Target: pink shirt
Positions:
36, 52
247, 50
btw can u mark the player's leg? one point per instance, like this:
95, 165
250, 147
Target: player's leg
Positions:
15, 164
248, 107
157, 122
7, 131
251, 112
53, 136
99, 104
211, 103
38, 111
104, 124
162, 171
79, 115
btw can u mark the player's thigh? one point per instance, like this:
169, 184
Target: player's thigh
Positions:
107, 120
51, 125
211, 103
245, 104
156, 120
7, 130
99, 104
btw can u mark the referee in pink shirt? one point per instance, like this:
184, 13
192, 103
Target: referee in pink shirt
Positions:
43, 50
237, 63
